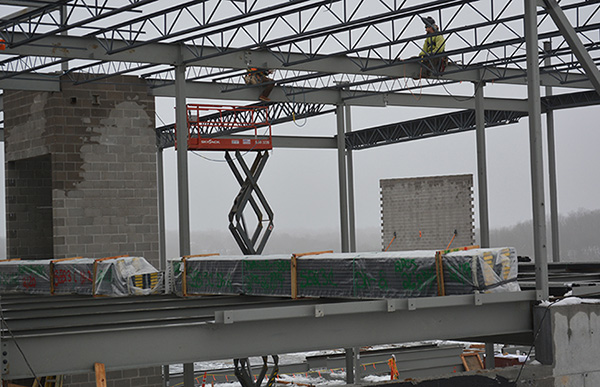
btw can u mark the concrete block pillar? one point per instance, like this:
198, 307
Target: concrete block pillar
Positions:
81, 171
568, 339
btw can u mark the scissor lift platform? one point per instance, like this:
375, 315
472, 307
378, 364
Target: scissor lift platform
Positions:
205, 130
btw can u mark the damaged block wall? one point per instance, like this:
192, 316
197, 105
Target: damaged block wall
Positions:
81, 180
100, 143
424, 212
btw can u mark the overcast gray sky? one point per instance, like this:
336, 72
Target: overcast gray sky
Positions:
302, 185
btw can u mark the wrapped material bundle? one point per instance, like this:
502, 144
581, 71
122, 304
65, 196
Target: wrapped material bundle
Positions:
485, 270
31, 276
398, 274
257, 275
113, 276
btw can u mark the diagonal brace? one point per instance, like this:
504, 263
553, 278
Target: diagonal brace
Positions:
568, 32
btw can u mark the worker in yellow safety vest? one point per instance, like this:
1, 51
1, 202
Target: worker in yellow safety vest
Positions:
434, 44
255, 76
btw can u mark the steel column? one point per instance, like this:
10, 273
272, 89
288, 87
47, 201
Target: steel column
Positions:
349, 365
484, 223
188, 375
535, 143
64, 66
350, 164
182, 161
183, 185
552, 167
341, 148
162, 248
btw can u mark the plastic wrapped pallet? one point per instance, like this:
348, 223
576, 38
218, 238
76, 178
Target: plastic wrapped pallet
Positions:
258, 275
115, 276
486, 270
406, 274
399, 274
31, 276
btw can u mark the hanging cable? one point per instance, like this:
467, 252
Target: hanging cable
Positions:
535, 337
39, 380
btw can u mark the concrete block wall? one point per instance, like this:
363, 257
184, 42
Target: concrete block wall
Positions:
424, 212
81, 180
143, 377
101, 143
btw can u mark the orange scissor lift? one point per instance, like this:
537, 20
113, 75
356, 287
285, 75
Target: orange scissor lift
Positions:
207, 125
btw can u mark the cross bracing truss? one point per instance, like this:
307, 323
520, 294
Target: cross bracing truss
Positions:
373, 40
278, 113
457, 122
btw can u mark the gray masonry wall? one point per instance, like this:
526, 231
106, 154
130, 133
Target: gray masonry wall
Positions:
101, 145
81, 181
424, 212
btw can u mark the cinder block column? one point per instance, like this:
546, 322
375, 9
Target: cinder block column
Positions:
568, 339
94, 148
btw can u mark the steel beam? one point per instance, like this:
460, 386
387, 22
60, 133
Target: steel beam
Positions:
484, 223
331, 97
536, 152
568, 32
31, 82
133, 343
182, 161
343, 187
552, 167
87, 48
160, 180
350, 174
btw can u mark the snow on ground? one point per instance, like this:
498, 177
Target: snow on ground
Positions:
571, 301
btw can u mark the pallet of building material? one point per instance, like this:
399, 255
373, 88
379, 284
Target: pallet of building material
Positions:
488, 270
257, 275
406, 274
398, 274
25, 276
112, 276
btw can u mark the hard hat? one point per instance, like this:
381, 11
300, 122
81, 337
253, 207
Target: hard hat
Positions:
429, 22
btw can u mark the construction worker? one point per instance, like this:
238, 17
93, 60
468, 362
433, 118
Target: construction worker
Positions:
255, 76
433, 45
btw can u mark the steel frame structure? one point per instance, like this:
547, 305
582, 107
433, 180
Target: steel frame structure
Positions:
326, 52
143, 331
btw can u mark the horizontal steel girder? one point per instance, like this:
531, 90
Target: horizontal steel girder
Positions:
458, 122
333, 97
33, 82
70, 47
243, 330
412, 130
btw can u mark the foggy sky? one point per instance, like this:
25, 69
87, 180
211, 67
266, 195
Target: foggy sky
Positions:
302, 185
